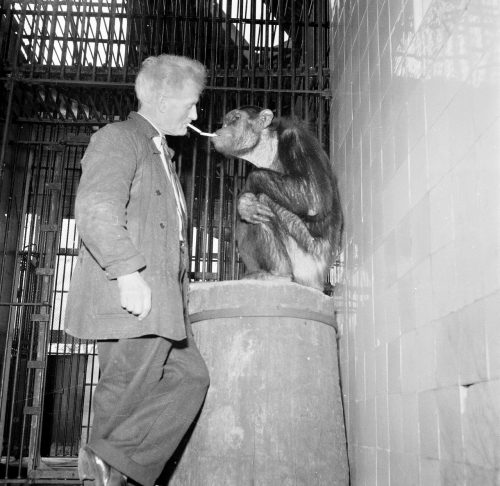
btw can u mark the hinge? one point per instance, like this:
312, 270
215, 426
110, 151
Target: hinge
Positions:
44, 271
39, 365
48, 227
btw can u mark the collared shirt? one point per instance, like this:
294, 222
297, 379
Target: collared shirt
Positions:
181, 205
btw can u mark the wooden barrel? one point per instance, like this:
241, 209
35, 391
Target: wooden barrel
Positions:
273, 413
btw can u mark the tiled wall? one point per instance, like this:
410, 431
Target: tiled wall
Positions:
416, 131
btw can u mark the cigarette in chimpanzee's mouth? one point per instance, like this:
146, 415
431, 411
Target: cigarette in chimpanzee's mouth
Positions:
200, 132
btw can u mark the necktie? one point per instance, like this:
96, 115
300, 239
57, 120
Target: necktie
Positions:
179, 196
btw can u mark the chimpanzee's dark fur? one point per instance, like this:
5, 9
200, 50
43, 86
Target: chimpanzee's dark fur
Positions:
290, 213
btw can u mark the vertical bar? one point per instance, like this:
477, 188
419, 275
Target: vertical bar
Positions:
265, 53
40, 38
65, 39
225, 60
215, 36
187, 39
128, 38
117, 36
73, 19
222, 176
240, 171
191, 193
157, 45
213, 50
67, 372
206, 209
321, 52
27, 397
53, 24
234, 215
307, 61
251, 51
225, 82
5, 30
280, 15
141, 35
19, 40
80, 60
97, 36
292, 37
199, 215
199, 29
175, 26
111, 41
212, 72
92, 372
31, 55
42, 23
5, 136
239, 75
206, 41
5, 383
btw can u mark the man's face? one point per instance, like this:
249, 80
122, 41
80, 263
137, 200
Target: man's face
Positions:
177, 108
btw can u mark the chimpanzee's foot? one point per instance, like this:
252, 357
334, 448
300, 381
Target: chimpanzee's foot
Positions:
261, 275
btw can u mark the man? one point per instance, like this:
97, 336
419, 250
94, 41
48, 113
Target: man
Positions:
129, 285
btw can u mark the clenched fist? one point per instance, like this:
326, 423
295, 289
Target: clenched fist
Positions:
135, 294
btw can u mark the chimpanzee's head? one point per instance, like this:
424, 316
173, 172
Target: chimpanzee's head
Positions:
241, 130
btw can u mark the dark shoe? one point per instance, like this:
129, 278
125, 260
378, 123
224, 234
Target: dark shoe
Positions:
92, 468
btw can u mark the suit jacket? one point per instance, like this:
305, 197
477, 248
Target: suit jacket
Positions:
126, 215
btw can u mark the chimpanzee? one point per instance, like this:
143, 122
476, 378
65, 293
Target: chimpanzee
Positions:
291, 219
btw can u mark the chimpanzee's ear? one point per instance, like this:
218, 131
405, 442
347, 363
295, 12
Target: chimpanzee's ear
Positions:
266, 117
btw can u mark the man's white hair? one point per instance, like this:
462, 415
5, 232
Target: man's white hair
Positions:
167, 72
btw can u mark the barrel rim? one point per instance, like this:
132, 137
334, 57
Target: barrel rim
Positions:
274, 311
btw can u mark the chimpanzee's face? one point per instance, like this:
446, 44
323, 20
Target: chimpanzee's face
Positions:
239, 134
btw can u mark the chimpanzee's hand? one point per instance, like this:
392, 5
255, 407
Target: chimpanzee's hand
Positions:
135, 294
253, 211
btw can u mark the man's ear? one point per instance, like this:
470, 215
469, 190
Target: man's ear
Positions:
161, 105
265, 118
163, 101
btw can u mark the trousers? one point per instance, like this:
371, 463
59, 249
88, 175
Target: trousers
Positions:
148, 394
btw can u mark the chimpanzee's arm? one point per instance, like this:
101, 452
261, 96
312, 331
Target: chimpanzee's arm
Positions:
295, 194
251, 210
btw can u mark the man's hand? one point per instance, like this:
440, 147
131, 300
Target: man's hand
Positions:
135, 294
252, 211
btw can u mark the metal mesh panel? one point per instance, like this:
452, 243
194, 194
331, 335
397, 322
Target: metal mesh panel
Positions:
68, 68
109, 39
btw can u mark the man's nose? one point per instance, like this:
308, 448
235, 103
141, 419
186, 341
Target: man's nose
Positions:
193, 114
